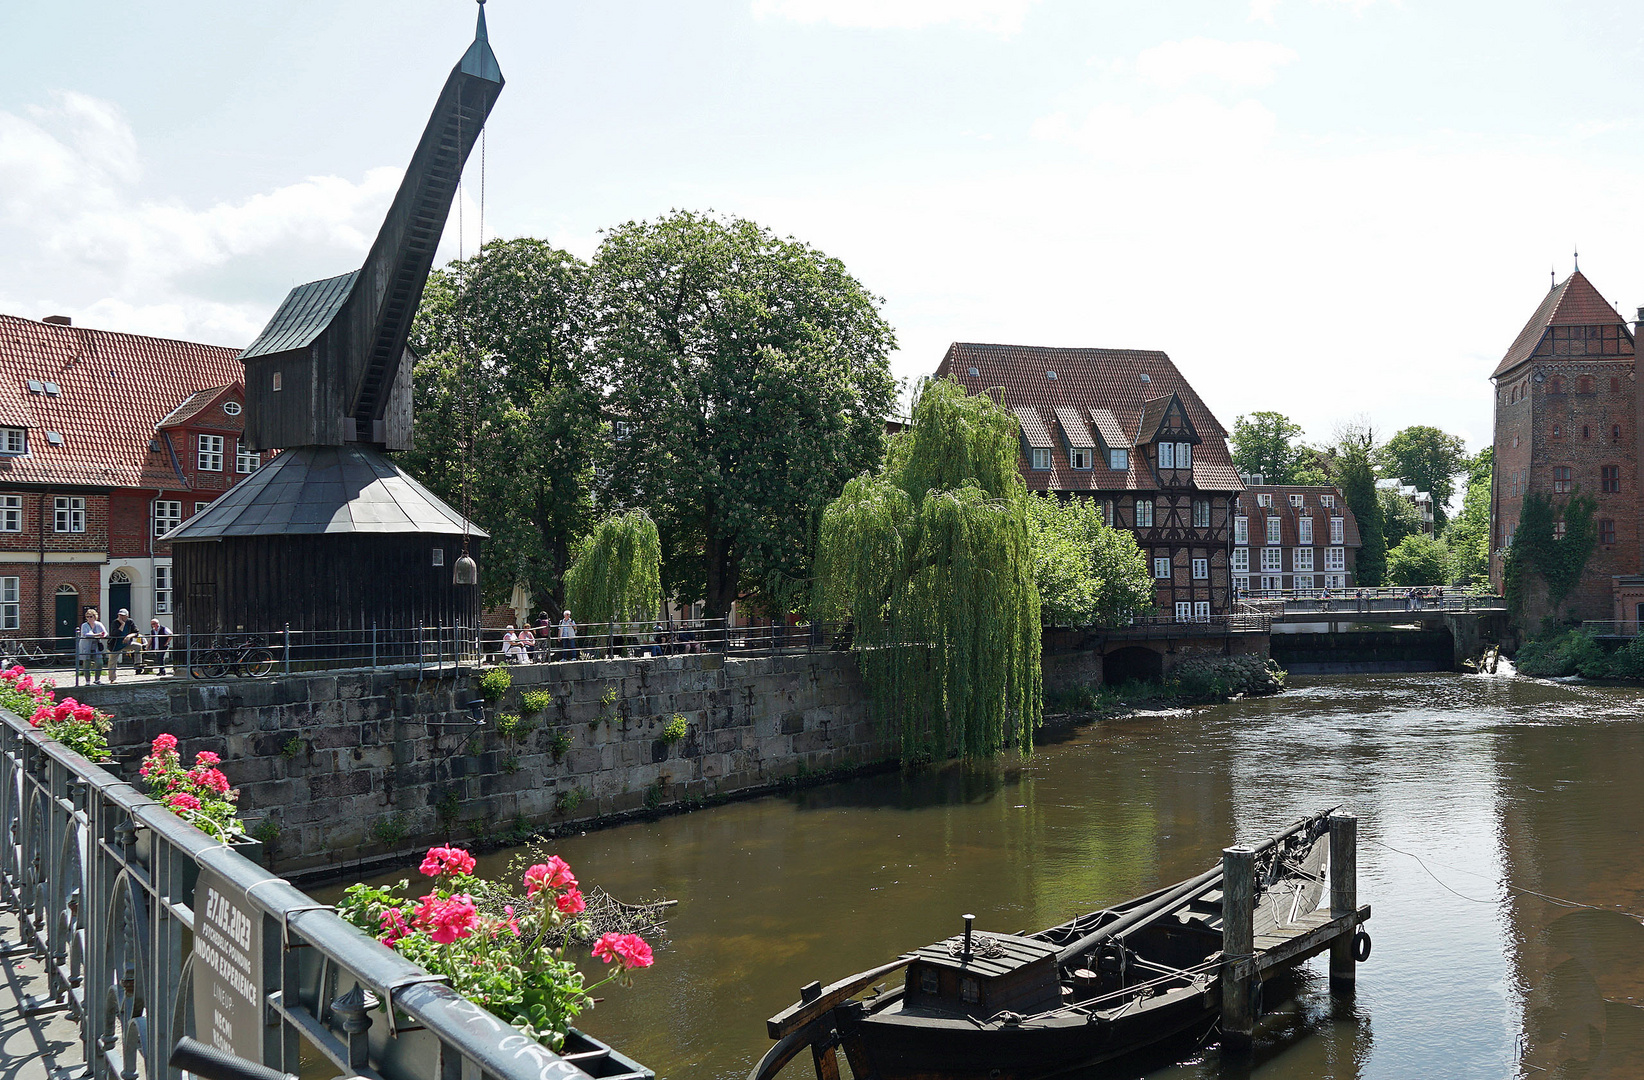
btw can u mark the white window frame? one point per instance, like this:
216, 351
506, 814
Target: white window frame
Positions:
1264, 499
14, 441
246, 461
1118, 460
1241, 560
1296, 500
1337, 529
1335, 558
1201, 611
1184, 455
1161, 568
1144, 513
165, 515
1335, 581
1302, 559
209, 453
1273, 583
162, 590
1241, 529
1184, 611
1167, 455
1080, 457
1241, 581
69, 514
1304, 529
1201, 513
1272, 530
11, 513
1303, 581
1201, 569
1041, 458
1328, 500
1272, 560
11, 603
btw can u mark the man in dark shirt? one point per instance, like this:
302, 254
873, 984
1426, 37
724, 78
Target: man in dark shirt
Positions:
159, 643
122, 642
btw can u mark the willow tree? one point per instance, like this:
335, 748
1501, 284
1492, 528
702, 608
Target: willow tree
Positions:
931, 560
616, 574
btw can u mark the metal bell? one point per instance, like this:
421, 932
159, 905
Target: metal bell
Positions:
467, 572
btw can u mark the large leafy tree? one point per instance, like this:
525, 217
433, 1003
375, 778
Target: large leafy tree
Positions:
504, 396
1468, 534
932, 560
617, 573
748, 376
1268, 443
1428, 458
1418, 559
1087, 572
1399, 518
1356, 476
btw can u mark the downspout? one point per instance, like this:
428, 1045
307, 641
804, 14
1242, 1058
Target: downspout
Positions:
40, 573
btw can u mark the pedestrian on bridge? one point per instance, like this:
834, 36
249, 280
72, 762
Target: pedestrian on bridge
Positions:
88, 649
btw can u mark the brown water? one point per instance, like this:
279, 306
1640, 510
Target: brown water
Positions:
1489, 780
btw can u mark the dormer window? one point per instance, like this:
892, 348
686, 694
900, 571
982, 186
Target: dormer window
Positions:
1264, 499
1167, 455
231, 408
1184, 455
1295, 500
14, 441
1041, 457
1080, 456
1327, 500
1118, 460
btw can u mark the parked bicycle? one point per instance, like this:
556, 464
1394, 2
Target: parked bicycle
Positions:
246, 658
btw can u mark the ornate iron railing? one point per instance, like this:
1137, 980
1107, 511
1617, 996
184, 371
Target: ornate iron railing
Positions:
104, 881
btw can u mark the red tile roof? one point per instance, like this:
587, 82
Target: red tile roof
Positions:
1572, 302
1287, 514
197, 403
1119, 381
116, 389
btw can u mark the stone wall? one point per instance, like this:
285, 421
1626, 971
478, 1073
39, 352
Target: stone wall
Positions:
1074, 658
357, 765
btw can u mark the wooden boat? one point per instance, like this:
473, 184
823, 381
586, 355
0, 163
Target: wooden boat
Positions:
1099, 987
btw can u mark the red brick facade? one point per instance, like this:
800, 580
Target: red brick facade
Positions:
1566, 420
1294, 536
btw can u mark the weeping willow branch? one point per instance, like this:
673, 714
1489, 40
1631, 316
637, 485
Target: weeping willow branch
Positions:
616, 575
932, 561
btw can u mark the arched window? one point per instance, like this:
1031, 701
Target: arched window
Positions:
1615, 432
1555, 385
1584, 385
119, 577
67, 590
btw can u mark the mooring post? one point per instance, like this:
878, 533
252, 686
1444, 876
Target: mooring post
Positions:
1344, 894
1238, 944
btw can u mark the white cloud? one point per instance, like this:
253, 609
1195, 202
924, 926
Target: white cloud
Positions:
1264, 10
1192, 128
994, 16
1175, 65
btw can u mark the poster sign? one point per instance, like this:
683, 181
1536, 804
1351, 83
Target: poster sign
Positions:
228, 969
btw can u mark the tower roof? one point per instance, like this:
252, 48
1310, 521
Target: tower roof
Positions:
1572, 302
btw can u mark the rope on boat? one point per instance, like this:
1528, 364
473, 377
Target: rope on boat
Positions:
1560, 901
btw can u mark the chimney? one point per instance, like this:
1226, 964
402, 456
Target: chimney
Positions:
58, 320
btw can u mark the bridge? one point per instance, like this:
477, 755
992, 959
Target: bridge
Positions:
1382, 630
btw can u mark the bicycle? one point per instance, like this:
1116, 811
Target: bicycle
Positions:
247, 658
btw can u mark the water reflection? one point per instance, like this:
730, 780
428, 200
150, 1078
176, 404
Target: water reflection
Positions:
1486, 779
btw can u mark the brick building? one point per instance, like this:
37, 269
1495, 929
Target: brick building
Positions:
107, 442
1293, 536
1565, 421
1124, 427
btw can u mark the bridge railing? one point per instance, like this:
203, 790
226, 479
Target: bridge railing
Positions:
105, 882
1612, 627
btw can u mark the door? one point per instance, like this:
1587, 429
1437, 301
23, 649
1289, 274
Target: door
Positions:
68, 620
119, 596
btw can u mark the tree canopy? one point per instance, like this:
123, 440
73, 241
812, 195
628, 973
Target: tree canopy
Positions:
1357, 478
1087, 573
1468, 534
1418, 559
617, 572
1269, 443
1399, 517
932, 561
1428, 458
749, 378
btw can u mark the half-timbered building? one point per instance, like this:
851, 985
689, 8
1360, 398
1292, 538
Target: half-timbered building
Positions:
1123, 426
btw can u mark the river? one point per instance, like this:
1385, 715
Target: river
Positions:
1491, 781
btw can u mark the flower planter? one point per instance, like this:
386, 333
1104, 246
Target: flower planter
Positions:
611, 1064
246, 846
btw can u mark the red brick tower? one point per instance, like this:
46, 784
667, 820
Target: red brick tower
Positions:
1567, 420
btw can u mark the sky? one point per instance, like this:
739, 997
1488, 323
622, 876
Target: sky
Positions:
1331, 208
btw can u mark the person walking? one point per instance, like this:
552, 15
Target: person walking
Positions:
88, 647
567, 637
159, 643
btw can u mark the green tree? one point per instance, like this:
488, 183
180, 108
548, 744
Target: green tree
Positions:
505, 364
1418, 559
617, 573
1428, 458
1267, 443
750, 376
1399, 517
1357, 479
1468, 534
932, 560
1086, 572
1315, 466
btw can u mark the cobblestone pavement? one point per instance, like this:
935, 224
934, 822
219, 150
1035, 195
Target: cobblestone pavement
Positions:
45, 1046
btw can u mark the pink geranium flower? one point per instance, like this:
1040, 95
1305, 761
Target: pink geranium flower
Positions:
447, 860
553, 874
394, 926
206, 757
164, 742
447, 919
570, 902
629, 950
182, 801
212, 779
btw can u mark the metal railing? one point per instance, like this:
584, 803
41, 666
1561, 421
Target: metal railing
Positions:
602, 641
1476, 596
104, 882
1612, 627
1245, 622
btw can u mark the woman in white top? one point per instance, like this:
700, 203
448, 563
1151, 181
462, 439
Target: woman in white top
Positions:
89, 647
511, 648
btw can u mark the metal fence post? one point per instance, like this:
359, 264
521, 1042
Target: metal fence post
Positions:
188, 652
373, 646
285, 651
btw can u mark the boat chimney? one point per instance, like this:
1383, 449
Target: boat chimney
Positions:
970, 920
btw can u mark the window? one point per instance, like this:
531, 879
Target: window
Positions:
246, 461
211, 453
1561, 479
1336, 529
1296, 501
1610, 478
1041, 457
168, 514
1201, 569
70, 514
11, 607
1118, 459
14, 441
162, 590
1241, 530
1161, 568
1327, 500
1080, 457
1241, 560
276, 382
1272, 559
1264, 500
1615, 432
1606, 531
1272, 584
200, 507
1241, 583
1558, 431
1201, 611
1184, 455
1615, 384
1184, 611
231, 408
11, 513
438, 557
1272, 530
1558, 530
1335, 558
1304, 529
1586, 431
1144, 513
1335, 581
1201, 513
1584, 385
1167, 455
1301, 559
1302, 581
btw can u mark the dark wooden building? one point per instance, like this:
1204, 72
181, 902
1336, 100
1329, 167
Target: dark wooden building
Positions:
332, 535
